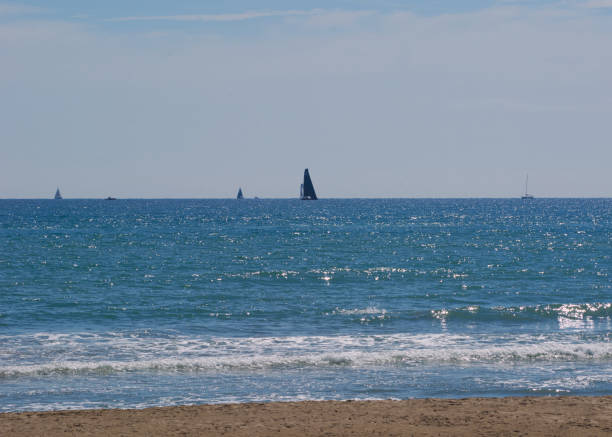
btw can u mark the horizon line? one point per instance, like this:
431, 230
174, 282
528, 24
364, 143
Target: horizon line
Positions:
518, 197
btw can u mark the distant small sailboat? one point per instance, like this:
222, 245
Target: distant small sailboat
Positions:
527, 196
307, 191
240, 196
58, 195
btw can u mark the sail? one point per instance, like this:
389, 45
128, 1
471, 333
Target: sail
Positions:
58, 195
527, 196
308, 191
239, 196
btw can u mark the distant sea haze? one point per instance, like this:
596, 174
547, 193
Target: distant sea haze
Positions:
139, 303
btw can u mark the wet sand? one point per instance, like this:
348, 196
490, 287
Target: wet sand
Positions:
541, 416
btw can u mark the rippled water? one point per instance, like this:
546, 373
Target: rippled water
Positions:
134, 303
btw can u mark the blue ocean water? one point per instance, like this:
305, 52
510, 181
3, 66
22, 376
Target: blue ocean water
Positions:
135, 303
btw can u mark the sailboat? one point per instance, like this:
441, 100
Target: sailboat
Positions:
307, 191
239, 196
527, 196
58, 195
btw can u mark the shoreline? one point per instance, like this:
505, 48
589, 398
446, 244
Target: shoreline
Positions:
562, 415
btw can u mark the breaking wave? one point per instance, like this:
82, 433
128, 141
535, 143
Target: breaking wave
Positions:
487, 314
99, 355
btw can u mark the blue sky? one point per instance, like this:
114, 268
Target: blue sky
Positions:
378, 99
116, 8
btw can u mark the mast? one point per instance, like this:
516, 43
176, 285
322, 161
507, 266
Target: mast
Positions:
527, 196
307, 189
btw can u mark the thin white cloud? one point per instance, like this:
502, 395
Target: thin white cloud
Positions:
598, 4
18, 9
336, 18
220, 17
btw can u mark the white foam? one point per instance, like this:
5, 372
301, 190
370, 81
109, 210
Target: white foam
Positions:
360, 311
48, 354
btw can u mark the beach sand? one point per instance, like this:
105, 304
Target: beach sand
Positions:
541, 416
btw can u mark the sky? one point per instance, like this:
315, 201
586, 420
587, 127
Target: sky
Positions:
397, 98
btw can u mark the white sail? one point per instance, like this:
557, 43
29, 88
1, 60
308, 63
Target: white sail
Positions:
527, 195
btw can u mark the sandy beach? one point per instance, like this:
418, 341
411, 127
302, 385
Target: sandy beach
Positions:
542, 416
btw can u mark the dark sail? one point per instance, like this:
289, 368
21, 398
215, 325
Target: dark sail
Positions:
239, 196
308, 191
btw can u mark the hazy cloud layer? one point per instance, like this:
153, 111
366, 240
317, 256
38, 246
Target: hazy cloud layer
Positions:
218, 17
11, 9
375, 104
598, 4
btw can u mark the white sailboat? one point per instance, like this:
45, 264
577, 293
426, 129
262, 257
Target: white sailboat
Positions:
527, 196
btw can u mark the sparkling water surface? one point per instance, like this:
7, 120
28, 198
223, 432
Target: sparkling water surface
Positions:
135, 303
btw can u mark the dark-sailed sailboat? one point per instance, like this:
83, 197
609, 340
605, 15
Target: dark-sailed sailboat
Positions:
240, 196
307, 191
58, 195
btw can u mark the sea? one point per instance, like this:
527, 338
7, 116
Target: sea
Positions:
140, 303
